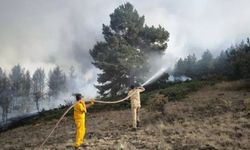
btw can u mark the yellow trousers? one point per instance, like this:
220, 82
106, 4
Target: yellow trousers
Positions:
80, 131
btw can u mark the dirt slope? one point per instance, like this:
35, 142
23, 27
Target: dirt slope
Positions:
212, 118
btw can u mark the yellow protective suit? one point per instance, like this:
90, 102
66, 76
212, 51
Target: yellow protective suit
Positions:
79, 116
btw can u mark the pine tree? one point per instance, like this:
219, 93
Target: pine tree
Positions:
124, 56
57, 82
16, 78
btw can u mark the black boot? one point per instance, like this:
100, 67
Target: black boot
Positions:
77, 148
134, 129
138, 123
84, 145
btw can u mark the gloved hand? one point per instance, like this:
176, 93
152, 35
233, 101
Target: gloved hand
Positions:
92, 102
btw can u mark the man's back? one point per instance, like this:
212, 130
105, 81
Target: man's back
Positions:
79, 110
135, 96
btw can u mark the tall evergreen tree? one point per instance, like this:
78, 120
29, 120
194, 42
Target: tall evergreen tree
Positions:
26, 84
38, 87
16, 78
222, 66
57, 82
205, 65
5, 95
239, 57
125, 54
186, 66
179, 68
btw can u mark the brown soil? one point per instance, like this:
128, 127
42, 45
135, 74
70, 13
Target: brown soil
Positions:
213, 118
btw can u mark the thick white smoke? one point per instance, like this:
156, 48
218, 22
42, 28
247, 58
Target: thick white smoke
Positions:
45, 33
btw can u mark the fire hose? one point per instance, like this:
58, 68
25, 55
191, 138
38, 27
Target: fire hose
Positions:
97, 101
156, 75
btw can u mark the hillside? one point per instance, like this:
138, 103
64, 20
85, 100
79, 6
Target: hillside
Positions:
214, 117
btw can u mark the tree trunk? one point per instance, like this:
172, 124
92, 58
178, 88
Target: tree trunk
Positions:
37, 105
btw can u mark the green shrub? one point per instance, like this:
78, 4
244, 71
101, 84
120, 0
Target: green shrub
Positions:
157, 98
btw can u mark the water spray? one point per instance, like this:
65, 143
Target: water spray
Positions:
155, 76
150, 80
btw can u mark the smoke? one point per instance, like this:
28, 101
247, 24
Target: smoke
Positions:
179, 78
45, 33
197, 25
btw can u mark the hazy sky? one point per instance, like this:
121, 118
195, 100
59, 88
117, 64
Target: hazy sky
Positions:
41, 33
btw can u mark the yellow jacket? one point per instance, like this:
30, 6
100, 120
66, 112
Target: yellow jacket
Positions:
80, 110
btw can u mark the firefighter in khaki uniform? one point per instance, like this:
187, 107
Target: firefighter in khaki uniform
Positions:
134, 94
79, 115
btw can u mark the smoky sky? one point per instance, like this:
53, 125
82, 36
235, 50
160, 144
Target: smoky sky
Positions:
42, 33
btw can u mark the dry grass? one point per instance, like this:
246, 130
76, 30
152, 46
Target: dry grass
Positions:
234, 85
214, 118
247, 103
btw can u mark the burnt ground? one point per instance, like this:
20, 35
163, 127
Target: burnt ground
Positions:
215, 117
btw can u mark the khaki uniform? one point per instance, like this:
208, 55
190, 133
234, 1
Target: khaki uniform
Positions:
135, 104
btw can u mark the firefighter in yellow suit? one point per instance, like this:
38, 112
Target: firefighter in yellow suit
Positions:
79, 115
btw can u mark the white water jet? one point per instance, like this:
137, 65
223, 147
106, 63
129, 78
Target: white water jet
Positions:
155, 76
